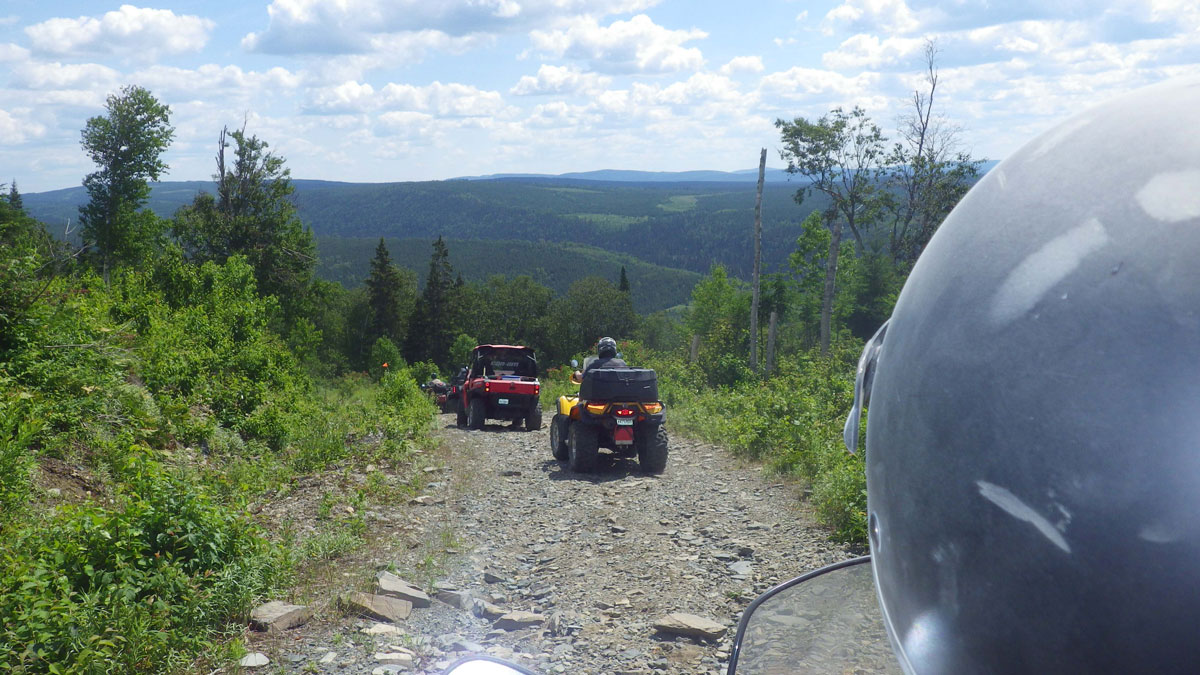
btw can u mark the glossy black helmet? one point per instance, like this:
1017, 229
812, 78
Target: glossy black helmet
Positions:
606, 348
1033, 437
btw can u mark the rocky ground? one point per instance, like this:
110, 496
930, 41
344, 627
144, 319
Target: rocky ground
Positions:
558, 571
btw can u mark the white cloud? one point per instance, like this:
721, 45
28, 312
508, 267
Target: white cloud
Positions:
743, 64
35, 75
129, 31
12, 52
443, 100
798, 82
559, 80
868, 51
347, 97
18, 128
345, 26
701, 88
636, 45
889, 16
217, 81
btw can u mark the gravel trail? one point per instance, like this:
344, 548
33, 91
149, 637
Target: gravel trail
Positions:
599, 558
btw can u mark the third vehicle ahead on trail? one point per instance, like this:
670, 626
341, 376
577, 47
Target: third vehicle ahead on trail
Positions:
501, 384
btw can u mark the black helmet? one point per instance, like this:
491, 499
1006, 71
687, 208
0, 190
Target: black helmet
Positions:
606, 348
1033, 443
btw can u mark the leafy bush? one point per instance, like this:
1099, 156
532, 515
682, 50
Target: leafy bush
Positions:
792, 421
131, 588
385, 356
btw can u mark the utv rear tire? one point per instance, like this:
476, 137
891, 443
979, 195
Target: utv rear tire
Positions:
582, 448
460, 415
559, 428
476, 414
533, 419
652, 450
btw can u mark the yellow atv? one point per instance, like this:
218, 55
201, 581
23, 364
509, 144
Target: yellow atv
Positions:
617, 409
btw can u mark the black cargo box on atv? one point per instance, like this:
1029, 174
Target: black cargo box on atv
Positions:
619, 384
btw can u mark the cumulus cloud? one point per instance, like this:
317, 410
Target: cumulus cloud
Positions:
559, 80
868, 51
10, 52
445, 100
890, 16
18, 128
129, 31
347, 97
35, 75
743, 64
345, 26
798, 82
636, 45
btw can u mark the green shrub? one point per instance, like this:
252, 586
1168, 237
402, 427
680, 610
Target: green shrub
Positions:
385, 357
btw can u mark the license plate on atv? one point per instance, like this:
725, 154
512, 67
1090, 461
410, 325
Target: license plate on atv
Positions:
624, 423
502, 401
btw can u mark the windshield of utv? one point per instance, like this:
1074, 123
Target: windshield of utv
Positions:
501, 362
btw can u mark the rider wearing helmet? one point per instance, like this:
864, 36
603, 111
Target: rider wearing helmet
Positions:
606, 356
1033, 442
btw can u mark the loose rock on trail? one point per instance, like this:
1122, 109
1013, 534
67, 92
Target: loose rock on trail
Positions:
566, 572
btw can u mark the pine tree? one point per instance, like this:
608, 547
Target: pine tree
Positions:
383, 293
433, 322
14, 197
623, 285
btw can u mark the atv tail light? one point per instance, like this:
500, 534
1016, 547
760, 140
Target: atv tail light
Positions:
537, 389
487, 387
653, 408
623, 412
597, 408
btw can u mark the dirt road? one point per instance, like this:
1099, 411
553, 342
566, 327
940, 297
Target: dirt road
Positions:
599, 558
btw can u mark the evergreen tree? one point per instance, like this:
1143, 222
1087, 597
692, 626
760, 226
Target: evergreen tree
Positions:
14, 197
434, 325
389, 296
623, 285
126, 143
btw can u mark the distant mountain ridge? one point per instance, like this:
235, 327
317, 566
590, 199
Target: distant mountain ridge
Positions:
634, 176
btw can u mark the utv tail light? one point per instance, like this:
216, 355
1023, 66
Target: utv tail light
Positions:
653, 408
487, 387
537, 389
597, 408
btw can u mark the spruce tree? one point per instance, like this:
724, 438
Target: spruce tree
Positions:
383, 296
623, 285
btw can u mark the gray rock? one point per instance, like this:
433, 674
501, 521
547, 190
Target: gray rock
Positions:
380, 607
277, 616
387, 583
460, 599
467, 646
742, 568
690, 625
491, 577
518, 620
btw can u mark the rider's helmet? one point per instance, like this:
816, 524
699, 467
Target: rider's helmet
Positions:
606, 348
1033, 439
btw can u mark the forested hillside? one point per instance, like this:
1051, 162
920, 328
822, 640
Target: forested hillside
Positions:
346, 260
705, 222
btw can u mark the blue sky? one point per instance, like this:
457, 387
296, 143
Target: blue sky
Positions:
392, 90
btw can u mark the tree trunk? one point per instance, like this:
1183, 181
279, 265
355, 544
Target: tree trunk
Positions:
771, 343
762, 166
835, 244
695, 353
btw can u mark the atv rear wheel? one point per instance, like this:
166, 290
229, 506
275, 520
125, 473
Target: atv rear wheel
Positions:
460, 415
652, 449
582, 448
559, 426
533, 419
476, 413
